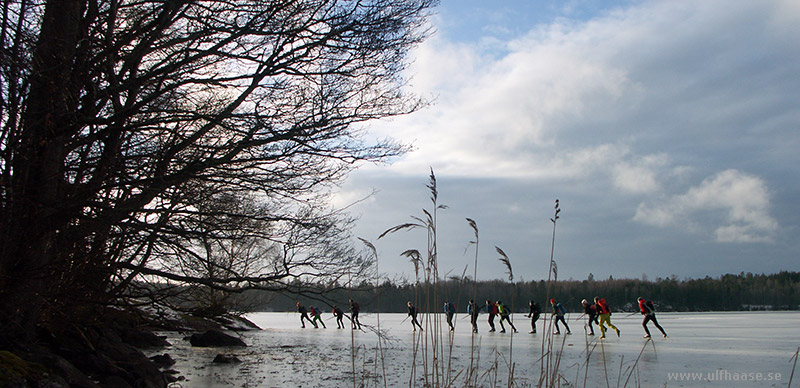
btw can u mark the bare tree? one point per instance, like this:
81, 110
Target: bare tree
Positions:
121, 119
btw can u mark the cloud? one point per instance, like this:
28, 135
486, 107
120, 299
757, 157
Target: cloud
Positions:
643, 78
635, 178
738, 202
681, 115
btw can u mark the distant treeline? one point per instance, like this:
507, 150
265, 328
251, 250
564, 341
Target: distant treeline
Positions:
742, 292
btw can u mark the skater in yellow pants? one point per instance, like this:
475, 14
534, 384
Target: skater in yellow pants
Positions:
605, 316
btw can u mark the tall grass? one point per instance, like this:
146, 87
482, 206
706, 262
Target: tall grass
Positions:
549, 365
504, 259
430, 340
429, 344
472, 361
791, 376
380, 336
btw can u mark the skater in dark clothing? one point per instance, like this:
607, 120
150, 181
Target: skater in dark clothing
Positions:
472, 310
491, 308
316, 315
338, 313
502, 309
558, 312
649, 312
450, 311
591, 312
304, 315
533, 314
354, 310
412, 312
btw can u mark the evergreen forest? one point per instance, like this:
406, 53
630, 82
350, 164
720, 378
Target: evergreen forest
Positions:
730, 292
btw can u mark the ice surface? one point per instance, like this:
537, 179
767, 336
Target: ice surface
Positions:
742, 349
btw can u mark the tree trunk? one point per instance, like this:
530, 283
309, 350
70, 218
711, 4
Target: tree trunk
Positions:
36, 215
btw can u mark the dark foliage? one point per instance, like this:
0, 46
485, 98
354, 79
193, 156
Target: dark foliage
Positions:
729, 292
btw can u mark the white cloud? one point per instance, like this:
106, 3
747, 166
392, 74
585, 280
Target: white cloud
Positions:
631, 107
737, 203
640, 176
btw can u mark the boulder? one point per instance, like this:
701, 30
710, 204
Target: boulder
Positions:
226, 359
142, 339
163, 360
213, 338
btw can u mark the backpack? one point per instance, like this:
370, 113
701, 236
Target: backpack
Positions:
650, 306
604, 306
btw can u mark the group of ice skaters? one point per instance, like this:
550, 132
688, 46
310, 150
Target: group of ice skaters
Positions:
599, 313
596, 313
316, 316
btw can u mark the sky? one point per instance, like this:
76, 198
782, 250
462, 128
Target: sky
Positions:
669, 131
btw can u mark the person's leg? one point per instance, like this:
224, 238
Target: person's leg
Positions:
491, 322
608, 321
502, 327
655, 322
512, 325
602, 325
644, 325
558, 330
566, 325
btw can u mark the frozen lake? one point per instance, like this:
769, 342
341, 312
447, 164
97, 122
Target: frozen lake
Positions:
742, 349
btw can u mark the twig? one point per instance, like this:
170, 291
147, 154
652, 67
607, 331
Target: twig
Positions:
791, 376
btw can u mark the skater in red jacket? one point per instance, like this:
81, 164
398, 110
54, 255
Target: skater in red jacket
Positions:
649, 312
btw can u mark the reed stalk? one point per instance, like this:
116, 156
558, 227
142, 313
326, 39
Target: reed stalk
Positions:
504, 259
476, 242
378, 315
791, 376
432, 344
